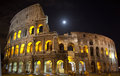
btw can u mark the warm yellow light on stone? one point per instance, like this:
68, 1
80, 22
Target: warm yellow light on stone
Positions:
59, 62
38, 46
82, 63
9, 40
19, 33
31, 28
12, 51
29, 47
86, 48
106, 50
38, 62
16, 49
22, 48
38, 28
98, 66
48, 62
46, 44
70, 59
14, 38
115, 55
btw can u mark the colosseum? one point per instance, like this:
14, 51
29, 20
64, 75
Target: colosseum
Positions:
32, 49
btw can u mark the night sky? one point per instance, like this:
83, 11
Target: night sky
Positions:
100, 16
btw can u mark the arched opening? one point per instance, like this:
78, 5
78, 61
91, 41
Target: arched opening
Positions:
16, 49
19, 33
14, 67
22, 49
61, 47
97, 51
72, 66
71, 47
93, 66
48, 66
20, 67
14, 38
85, 48
37, 66
81, 49
29, 47
31, 30
39, 28
60, 67
106, 50
91, 42
48, 45
38, 46
28, 69
91, 51
98, 66
10, 67
12, 51
82, 67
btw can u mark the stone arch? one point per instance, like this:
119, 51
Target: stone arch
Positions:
93, 66
61, 46
37, 67
102, 52
20, 70
85, 48
48, 45
27, 67
14, 67
60, 67
71, 47
97, 52
16, 49
48, 66
19, 34
31, 30
90, 42
82, 67
15, 35
10, 67
12, 51
38, 46
22, 48
29, 47
39, 28
72, 65
91, 51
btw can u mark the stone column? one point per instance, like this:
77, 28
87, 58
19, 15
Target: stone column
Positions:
25, 48
12, 67
42, 66
33, 50
32, 66
23, 68
66, 66
77, 66
54, 66
43, 45
19, 50
17, 67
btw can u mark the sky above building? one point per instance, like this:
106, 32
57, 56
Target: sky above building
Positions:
100, 16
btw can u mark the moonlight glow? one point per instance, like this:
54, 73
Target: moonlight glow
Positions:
64, 22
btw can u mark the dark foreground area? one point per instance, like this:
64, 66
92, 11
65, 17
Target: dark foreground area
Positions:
102, 74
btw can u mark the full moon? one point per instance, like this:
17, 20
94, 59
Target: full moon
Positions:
64, 22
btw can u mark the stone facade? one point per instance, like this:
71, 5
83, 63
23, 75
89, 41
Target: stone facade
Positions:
32, 49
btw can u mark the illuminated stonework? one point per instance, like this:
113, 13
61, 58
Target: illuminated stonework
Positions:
33, 49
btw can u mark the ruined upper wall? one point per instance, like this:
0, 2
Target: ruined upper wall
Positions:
27, 16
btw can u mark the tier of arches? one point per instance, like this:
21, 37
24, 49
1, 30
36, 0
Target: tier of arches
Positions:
19, 33
37, 67
38, 47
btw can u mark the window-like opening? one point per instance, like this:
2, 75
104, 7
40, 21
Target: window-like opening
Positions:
38, 46
91, 42
22, 49
29, 47
19, 34
71, 47
91, 51
61, 46
48, 45
93, 66
39, 28
97, 51
31, 30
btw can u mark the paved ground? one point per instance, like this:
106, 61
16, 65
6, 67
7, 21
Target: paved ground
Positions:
112, 74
